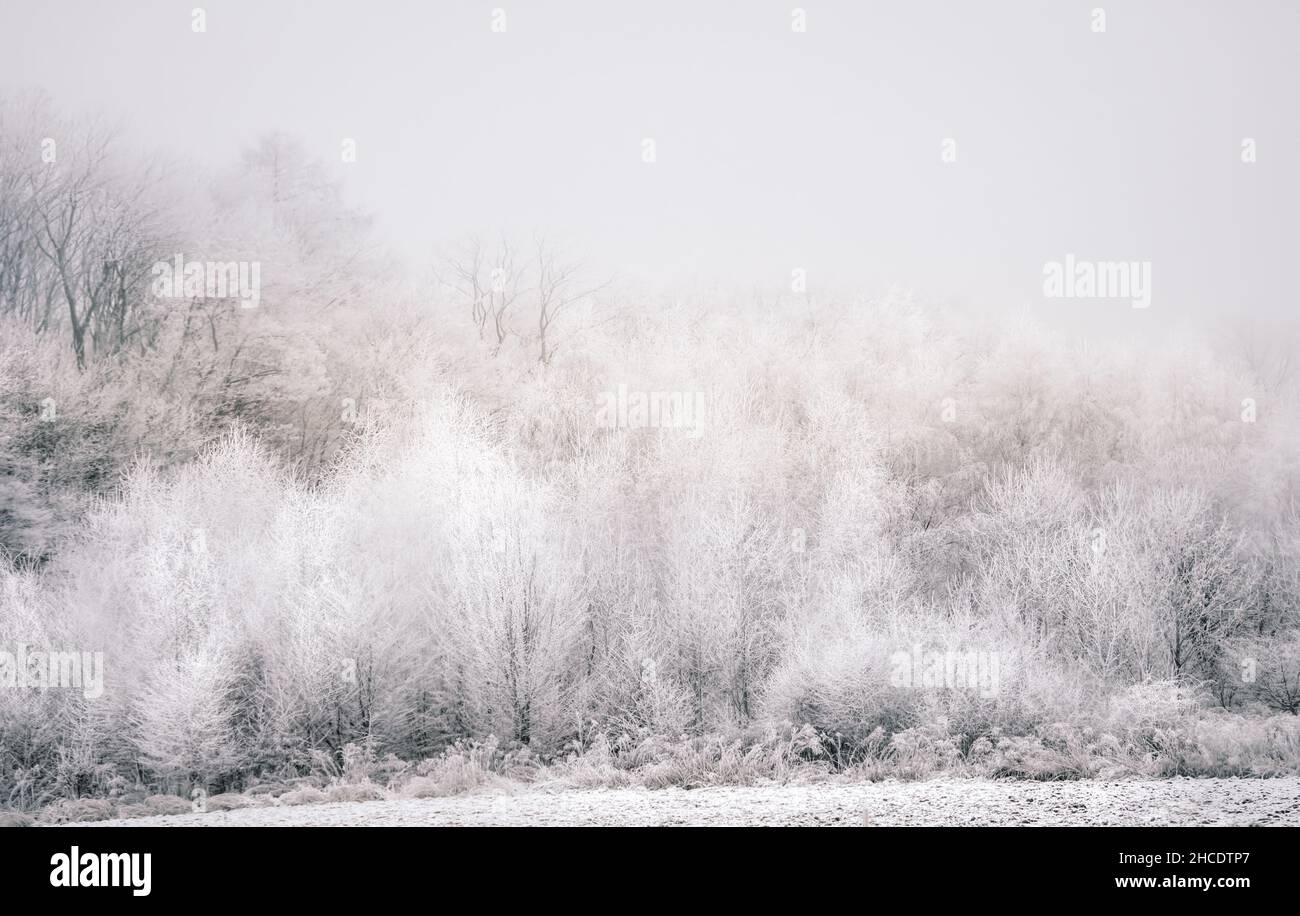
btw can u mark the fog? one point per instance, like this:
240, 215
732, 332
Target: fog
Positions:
776, 150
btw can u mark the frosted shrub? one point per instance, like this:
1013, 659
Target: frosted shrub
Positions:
166, 804
184, 727
1151, 704
34, 724
923, 750
638, 696
1227, 744
462, 767
307, 795
841, 684
70, 811
229, 801
360, 762
355, 793
1270, 670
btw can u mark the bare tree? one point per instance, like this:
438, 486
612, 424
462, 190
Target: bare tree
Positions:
492, 283
497, 284
78, 233
560, 284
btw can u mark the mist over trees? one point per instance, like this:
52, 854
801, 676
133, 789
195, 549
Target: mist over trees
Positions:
382, 513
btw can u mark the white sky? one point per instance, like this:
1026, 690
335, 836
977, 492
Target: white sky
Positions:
776, 150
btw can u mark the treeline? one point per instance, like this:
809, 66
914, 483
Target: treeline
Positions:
365, 516
96, 368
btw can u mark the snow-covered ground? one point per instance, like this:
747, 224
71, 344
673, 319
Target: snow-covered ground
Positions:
1216, 802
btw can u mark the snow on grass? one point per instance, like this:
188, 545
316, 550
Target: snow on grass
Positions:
940, 802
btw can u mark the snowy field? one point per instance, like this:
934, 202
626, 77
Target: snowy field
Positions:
1173, 802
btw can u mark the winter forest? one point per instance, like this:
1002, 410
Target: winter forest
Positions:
505, 517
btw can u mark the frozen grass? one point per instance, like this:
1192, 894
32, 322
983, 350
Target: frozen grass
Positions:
835, 803
1206, 745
